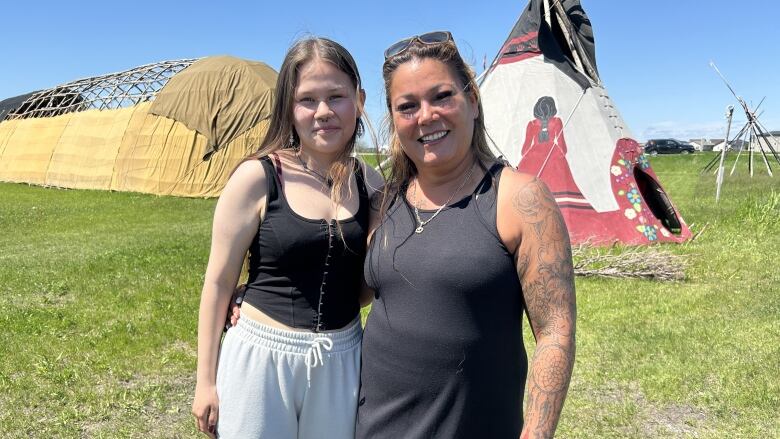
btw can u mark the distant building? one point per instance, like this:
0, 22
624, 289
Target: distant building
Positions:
704, 144
771, 138
735, 145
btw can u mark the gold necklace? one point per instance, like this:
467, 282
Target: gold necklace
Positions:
420, 223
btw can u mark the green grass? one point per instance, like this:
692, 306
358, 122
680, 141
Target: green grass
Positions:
372, 158
99, 294
697, 358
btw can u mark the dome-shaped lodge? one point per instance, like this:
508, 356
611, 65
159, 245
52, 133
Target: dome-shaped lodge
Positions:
170, 128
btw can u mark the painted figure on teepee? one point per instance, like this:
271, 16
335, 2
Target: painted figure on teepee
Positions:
544, 154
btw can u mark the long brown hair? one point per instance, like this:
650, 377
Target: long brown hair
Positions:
281, 128
402, 169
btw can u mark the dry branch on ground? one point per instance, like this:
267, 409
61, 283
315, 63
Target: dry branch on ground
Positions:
628, 262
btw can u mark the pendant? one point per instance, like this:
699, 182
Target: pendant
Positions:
419, 229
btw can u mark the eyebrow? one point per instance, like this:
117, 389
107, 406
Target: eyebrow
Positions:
329, 90
434, 89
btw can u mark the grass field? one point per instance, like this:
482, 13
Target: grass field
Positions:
99, 295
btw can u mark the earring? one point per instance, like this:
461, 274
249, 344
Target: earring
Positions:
359, 130
291, 140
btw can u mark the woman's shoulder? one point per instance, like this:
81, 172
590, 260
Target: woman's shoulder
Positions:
523, 200
512, 178
249, 171
248, 181
519, 191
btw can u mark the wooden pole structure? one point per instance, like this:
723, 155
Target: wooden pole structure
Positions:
719, 179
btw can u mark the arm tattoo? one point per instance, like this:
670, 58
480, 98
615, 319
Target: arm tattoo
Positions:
546, 274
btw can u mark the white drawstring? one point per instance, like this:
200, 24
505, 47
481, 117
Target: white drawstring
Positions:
314, 354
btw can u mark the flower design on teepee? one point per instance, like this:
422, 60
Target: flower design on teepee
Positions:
643, 162
649, 232
634, 198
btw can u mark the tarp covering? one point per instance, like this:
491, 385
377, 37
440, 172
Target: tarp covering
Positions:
7, 128
126, 149
550, 116
28, 151
11, 104
220, 97
162, 156
86, 154
130, 149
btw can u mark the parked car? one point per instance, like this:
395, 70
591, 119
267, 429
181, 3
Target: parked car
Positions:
668, 146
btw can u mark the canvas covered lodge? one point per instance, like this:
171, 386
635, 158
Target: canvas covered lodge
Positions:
169, 128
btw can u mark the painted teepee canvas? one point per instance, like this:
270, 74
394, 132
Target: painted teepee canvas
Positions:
549, 115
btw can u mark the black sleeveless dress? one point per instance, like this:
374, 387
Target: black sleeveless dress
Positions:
443, 353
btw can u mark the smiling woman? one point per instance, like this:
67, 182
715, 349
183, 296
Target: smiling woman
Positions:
463, 245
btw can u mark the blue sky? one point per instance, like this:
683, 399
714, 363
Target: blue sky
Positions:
653, 57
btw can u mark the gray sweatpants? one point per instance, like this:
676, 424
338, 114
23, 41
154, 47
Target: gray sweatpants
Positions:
279, 384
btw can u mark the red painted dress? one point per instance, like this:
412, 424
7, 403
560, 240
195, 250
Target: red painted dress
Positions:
547, 160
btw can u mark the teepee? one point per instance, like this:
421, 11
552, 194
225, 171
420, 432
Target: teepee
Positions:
168, 128
549, 115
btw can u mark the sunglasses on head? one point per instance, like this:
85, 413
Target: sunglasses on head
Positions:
436, 37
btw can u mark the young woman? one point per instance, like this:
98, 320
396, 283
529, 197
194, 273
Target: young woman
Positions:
465, 245
289, 368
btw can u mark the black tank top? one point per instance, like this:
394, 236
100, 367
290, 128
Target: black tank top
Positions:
443, 353
301, 272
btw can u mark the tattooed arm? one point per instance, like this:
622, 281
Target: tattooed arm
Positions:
530, 222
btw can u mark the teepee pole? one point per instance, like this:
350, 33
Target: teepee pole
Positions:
750, 154
739, 154
564, 21
753, 131
765, 133
583, 62
714, 161
757, 136
547, 14
719, 179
